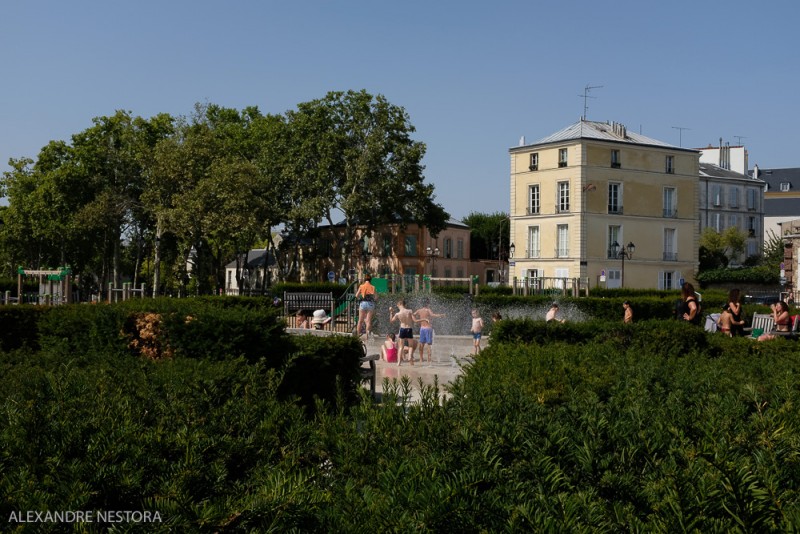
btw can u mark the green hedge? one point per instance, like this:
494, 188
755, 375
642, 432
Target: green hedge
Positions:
206, 329
576, 427
747, 275
19, 326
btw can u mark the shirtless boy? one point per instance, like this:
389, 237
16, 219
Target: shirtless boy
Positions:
477, 329
406, 318
424, 316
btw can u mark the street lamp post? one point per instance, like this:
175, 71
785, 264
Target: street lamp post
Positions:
503, 256
623, 254
432, 254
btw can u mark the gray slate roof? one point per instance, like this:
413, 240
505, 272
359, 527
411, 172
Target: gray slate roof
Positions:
255, 259
774, 178
782, 207
603, 131
713, 171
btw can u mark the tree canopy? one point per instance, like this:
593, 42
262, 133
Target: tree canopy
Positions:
490, 234
192, 193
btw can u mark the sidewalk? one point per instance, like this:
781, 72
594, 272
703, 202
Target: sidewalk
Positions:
448, 353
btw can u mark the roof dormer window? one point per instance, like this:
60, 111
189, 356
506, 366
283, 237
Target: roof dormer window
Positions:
785, 186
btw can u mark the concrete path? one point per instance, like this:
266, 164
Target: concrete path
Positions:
448, 353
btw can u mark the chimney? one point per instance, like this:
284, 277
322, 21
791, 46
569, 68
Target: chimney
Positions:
522, 141
755, 171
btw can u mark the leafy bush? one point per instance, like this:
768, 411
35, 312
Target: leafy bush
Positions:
752, 275
655, 426
19, 326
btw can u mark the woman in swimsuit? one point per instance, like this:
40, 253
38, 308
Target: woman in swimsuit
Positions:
780, 316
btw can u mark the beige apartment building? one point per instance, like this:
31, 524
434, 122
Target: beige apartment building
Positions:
578, 192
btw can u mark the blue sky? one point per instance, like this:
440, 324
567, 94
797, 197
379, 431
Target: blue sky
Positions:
473, 76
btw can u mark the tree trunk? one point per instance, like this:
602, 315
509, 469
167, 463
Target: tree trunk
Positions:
157, 260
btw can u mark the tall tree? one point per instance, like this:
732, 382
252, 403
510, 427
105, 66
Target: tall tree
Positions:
489, 234
355, 152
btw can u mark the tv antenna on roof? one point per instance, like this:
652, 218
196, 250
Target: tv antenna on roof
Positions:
585, 97
680, 134
739, 139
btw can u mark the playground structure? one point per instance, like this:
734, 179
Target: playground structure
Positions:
55, 287
125, 292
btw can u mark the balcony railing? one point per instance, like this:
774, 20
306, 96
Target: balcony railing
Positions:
532, 210
562, 209
670, 213
532, 253
615, 210
670, 256
562, 253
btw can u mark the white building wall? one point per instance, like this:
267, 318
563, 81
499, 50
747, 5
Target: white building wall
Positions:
736, 154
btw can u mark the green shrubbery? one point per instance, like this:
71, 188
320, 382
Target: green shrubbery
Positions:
762, 274
655, 426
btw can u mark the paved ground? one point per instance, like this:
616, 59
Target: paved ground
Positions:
448, 353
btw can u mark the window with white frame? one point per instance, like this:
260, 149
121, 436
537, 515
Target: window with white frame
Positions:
670, 244
533, 199
716, 195
562, 241
561, 274
562, 204
785, 186
534, 165
670, 202
534, 276
533, 242
670, 165
614, 197
668, 279
562, 157
614, 236
716, 222
535, 273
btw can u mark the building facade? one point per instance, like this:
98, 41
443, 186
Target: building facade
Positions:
579, 191
781, 198
730, 199
730, 196
393, 249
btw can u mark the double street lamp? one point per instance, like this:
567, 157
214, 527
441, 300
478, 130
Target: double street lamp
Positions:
432, 254
501, 257
623, 254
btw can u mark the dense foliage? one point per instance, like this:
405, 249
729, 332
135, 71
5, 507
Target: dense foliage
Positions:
577, 427
156, 199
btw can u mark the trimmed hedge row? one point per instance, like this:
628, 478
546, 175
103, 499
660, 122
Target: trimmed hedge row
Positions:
202, 328
575, 427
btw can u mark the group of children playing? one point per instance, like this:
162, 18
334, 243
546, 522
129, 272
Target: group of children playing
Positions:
401, 347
